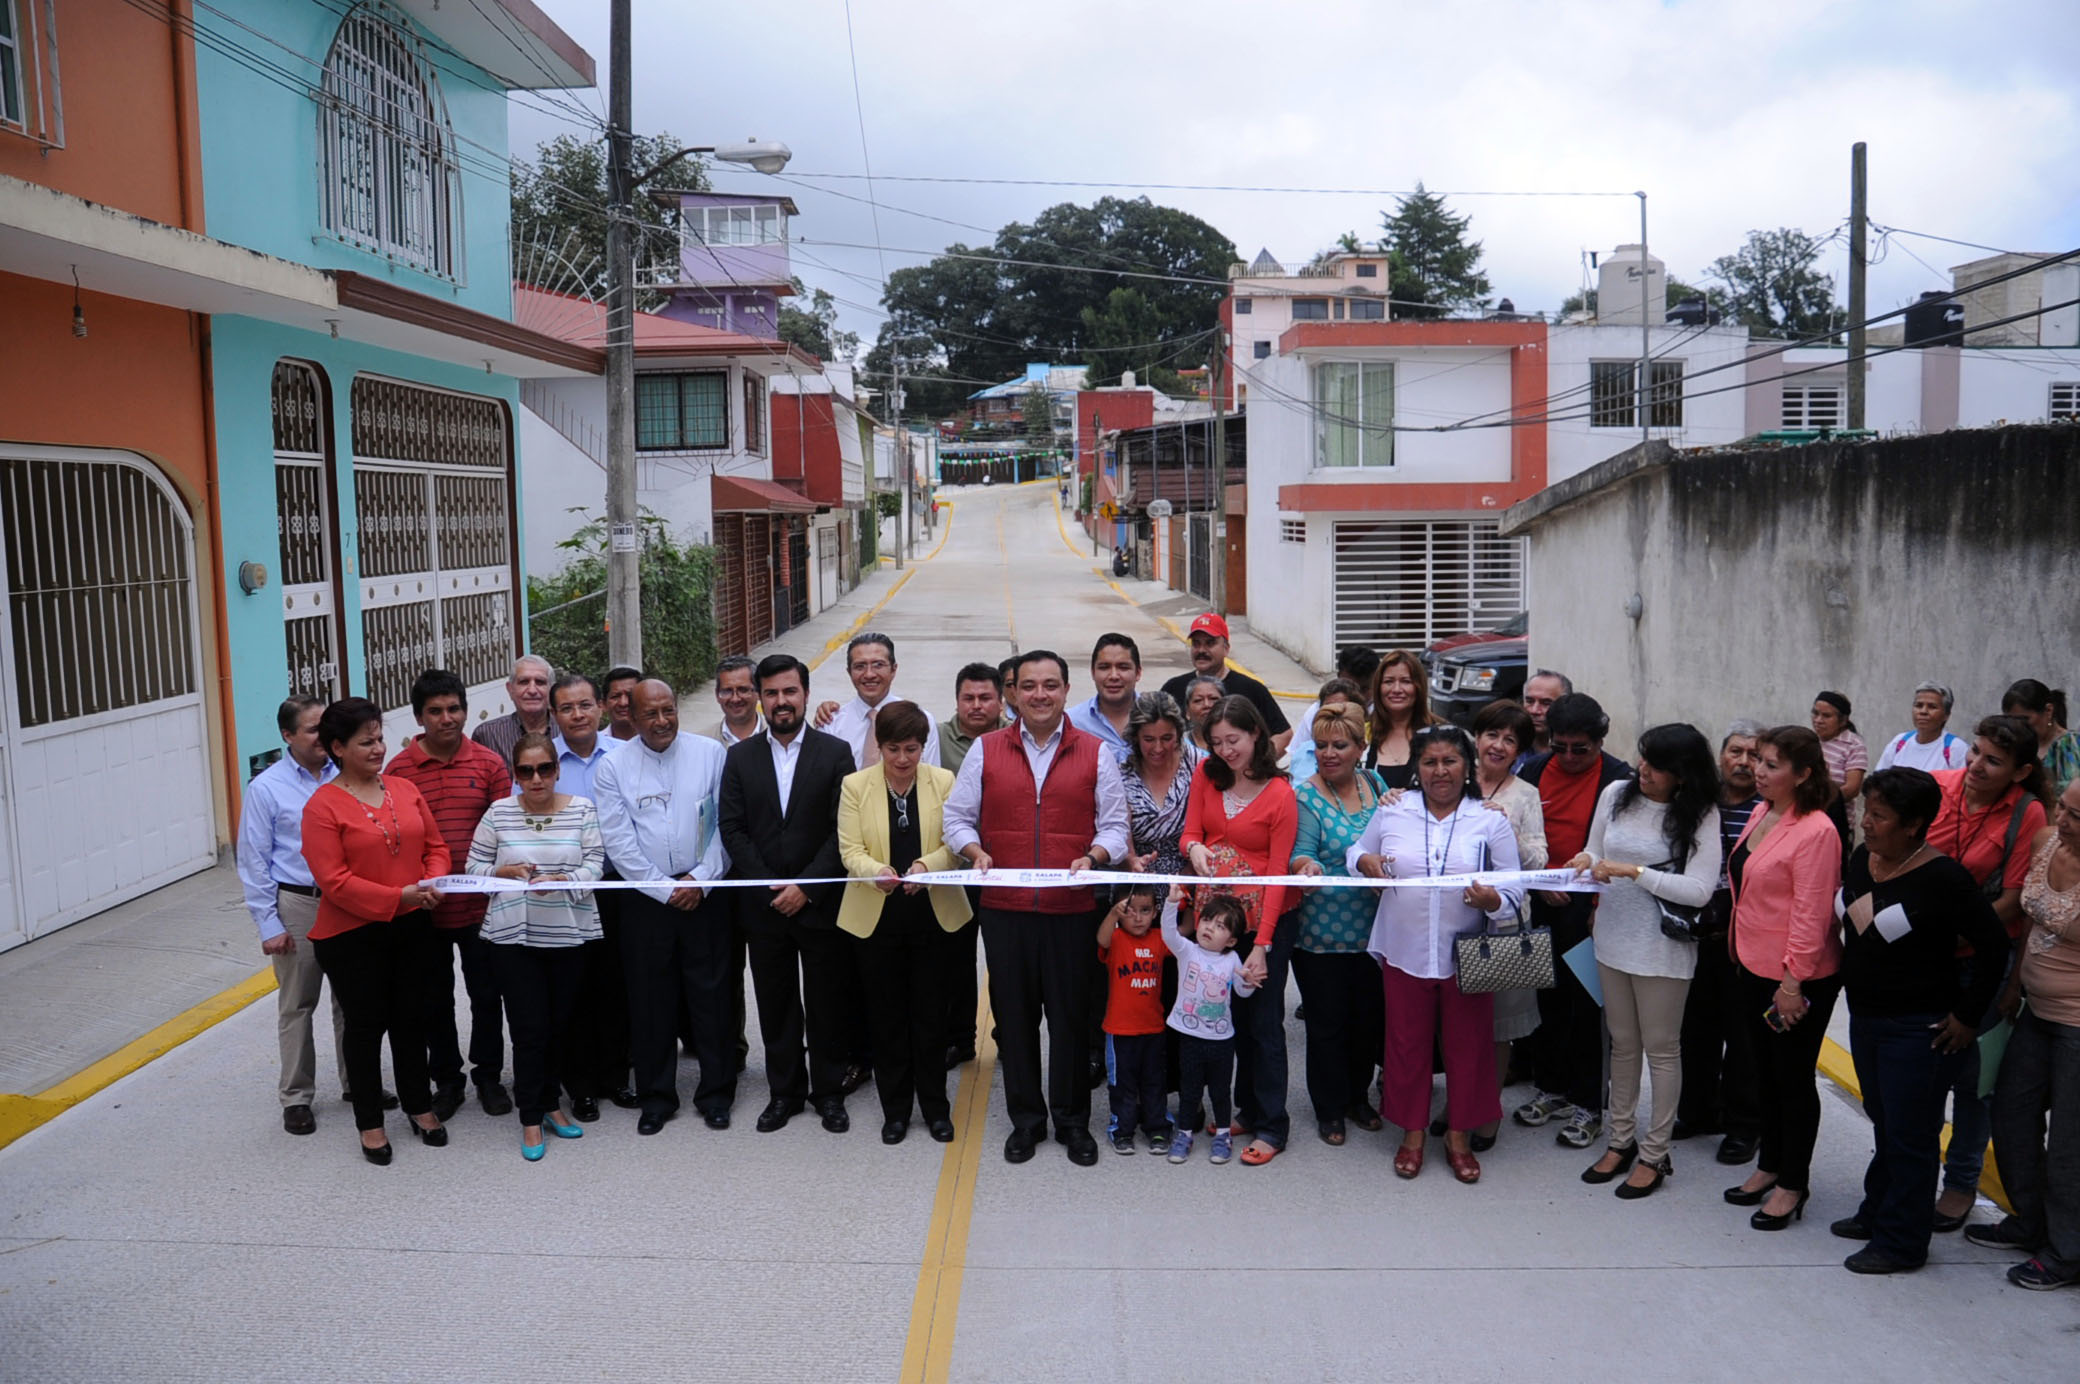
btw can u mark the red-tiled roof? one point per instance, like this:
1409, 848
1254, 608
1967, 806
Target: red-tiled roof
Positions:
742, 492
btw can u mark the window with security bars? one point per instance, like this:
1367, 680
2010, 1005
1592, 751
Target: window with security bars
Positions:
388, 178
30, 91
1614, 388
1403, 585
1292, 530
1811, 406
754, 414
2065, 402
11, 101
682, 412
1354, 414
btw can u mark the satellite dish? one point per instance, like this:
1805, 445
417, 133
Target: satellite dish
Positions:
1159, 509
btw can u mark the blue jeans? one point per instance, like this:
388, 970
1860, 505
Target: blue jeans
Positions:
1905, 1081
1971, 1117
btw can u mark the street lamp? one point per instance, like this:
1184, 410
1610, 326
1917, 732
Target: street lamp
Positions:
624, 544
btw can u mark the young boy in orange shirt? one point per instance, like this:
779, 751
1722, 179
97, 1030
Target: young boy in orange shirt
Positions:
1133, 953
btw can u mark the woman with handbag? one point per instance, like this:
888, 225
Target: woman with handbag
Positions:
1442, 830
1644, 926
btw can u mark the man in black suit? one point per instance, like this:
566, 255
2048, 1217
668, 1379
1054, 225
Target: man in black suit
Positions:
779, 819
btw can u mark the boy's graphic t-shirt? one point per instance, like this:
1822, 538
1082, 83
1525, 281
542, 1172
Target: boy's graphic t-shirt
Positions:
1134, 985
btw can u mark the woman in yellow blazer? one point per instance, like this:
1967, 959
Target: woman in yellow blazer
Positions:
890, 816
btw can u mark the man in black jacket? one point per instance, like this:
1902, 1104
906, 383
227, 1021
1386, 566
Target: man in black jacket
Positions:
1568, 1047
779, 820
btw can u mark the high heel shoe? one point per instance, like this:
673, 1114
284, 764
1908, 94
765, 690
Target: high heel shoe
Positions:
435, 1138
379, 1155
1633, 1191
532, 1152
1763, 1220
1596, 1176
1741, 1196
562, 1131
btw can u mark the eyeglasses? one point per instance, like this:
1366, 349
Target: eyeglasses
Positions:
1574, 749
902, 806
872, 665
532, 771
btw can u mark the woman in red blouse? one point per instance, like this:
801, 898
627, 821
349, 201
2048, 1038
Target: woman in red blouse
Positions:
1241, 800
369, 840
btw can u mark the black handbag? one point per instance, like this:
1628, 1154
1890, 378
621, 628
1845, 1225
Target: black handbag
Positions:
1680, 921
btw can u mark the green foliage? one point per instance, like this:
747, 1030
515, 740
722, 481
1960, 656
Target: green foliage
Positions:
1772, 287
888, 503
1037, 408
559, 205
678, 606
814, 327
1433, 268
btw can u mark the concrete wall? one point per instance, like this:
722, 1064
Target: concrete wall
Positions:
1767, 576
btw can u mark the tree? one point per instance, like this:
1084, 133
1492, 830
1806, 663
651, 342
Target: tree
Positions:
1037, 408
559, 205
814, 328
1772, 287
1433, 268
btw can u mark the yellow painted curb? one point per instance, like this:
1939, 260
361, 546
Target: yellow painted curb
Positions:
1839, 1067
1063, 524
20, 1114
935, 1307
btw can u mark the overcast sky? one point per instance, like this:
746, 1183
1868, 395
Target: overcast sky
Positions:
1730, 114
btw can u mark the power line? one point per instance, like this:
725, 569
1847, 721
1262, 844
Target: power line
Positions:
1224, 187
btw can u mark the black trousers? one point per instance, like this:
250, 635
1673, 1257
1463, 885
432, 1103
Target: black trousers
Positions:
962, 988
595, 1052
805, 976
540, 985
380, 973
671, 958
1719, 1083
1137, 1093
1208, 1065
1790, 1097
1346, 1027
1039, 966
487, 1027
1260, 1044
1567, 1051
904, 965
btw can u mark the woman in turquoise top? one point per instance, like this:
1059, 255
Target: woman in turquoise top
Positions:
1339, 979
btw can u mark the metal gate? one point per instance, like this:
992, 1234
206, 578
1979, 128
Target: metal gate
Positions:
1199, 556
105, 779
797, 571
1402, 585
303, 489
433, 512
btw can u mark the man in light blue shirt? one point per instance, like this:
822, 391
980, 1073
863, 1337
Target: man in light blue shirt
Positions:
283, 900
1116, 672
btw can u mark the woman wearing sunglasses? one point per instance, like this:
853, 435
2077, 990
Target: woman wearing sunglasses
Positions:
539, 836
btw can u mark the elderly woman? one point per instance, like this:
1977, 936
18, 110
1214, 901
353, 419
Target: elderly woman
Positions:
369, 840
1158, 781
2041, 1074
1339, 978
1241, 800
1927, 746
1905, 910
536, 938
890, 816
1201, 696
1442, 830
1654, 839
1784, 872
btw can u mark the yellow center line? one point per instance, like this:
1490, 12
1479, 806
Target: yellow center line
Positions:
935, 1308
838, 641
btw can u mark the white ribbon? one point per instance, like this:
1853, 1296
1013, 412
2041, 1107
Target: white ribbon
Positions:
1558, 880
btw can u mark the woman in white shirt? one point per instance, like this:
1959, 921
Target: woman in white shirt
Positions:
1928, 746
1652, 840
1443, 830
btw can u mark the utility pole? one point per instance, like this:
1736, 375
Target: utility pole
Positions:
624, 551
1646, 323
900, 452
1859, 265
1217, 572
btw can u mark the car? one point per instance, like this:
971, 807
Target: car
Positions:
1467, 678
1518, 626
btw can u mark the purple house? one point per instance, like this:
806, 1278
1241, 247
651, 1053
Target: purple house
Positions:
733, 265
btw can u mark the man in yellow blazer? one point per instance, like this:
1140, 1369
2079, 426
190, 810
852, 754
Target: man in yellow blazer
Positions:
890, 819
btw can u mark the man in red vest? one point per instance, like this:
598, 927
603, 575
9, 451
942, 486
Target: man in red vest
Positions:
1041, 795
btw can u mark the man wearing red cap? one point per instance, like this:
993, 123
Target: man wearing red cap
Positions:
1209, 641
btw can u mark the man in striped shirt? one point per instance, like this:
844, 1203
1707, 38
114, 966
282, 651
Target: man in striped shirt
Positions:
529, 689
459, 778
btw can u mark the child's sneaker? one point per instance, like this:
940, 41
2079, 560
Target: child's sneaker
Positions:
1181, 1147
1223, 1146
1159, 1141
1122, 1141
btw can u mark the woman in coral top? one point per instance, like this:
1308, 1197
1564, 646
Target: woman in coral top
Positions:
369, 840
1784, 872
1241, 800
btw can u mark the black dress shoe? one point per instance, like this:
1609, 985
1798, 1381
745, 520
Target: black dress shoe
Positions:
380, 1155
1736, 1149
940, 1129
389, 1099
584, 1109
834, 1117
1595, 1176
625, 1098
447, 1100
495, 1099
1685, 1130
652, 1121
1083, 1149
779, 1110
1850, 1228
1763, 1220
892, 1131
1018, 1147
1949, 1225
1736, 1196
435, 1138
957, 1056
856, 1075
298, 1119
1480, 1143
716, 1119
1097, 1074
1868, 1260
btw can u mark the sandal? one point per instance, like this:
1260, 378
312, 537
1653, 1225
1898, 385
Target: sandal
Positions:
1365, 1118
1332, 1132
1259, 1153
1464, 1165
1408, 1161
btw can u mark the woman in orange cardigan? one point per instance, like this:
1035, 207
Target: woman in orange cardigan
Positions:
1241, 800
1784, 873
369, 840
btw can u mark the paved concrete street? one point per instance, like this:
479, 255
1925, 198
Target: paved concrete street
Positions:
166, 1229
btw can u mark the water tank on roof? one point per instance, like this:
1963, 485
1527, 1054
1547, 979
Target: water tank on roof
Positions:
1935, 319
1630, 282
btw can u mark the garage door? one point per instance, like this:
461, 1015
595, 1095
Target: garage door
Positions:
1402, 585
106, 778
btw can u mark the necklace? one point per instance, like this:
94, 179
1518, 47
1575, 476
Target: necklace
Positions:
1899, 869
393, 835
538, 823
1445, 856
1358, 792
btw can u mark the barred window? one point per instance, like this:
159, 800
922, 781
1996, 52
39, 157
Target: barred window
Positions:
1613, 388
387, 176
682, 412
2065, 401
754, 414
